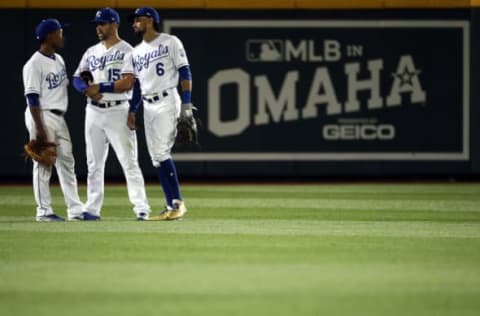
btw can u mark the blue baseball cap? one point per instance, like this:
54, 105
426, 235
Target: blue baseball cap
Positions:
106, 15
146, 11
46, 27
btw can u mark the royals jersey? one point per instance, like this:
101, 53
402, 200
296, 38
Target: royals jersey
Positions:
47, 77
157, 63
108, 65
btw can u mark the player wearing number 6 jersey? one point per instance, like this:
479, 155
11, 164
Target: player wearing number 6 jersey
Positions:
109, 118
160, 63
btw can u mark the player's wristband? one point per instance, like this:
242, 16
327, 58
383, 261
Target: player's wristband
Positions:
186, 96
107, 86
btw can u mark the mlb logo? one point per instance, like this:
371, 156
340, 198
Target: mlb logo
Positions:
264, 50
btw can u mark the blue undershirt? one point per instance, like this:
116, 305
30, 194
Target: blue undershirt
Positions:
79, 84
33, 99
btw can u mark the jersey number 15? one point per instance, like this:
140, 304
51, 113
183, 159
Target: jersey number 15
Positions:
113, 74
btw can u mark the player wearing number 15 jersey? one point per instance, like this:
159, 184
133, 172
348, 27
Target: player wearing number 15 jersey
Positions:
109, 118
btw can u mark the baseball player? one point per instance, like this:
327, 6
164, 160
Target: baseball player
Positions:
160, 62
109, 119
45, 80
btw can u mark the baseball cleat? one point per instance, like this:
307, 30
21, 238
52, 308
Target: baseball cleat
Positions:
90, 217
178, 211
163, 216
49, 218
85, 216
142, 216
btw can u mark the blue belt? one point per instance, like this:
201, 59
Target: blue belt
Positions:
107, 104
155, 98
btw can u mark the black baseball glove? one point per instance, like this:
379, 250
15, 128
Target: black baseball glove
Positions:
187, 127
87, 77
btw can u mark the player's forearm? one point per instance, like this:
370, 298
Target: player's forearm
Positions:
124, 84
37, 118
33, 102
118, 86
36, 113
186, 83
186, 91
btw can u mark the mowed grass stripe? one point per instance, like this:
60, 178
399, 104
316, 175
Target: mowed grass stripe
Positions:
286, 227
351, 278
413, 190
244, 249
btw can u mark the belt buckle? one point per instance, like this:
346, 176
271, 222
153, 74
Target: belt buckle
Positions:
110, 104
157, 97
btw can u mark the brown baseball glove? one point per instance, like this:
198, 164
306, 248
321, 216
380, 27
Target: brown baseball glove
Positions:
43, 152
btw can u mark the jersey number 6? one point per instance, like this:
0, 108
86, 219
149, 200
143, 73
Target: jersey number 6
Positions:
160, 70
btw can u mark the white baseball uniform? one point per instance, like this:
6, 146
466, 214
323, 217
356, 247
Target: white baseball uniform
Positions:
106, 123
47, 77
156, 67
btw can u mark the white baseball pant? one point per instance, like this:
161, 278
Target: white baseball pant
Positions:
104, 127
57, 132
160, 119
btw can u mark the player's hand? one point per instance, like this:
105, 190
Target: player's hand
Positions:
186, 110
41, 135
132, 121
97, 97
92, 91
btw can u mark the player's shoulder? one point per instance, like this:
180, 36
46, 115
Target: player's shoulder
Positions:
171, 39
94, 49
33, 57
125, 46
139, 46
31, 61
59, 57
35, 60
168, 37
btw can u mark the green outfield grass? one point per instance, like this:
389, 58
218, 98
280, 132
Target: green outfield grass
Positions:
329, 249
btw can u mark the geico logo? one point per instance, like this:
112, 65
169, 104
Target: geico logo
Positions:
356, 131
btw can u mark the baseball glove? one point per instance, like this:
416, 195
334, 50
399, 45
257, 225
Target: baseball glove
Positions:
187, 132
86, 76
43, 152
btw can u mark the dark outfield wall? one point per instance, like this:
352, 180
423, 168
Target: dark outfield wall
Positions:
303, 93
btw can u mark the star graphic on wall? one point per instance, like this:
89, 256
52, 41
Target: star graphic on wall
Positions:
406, 76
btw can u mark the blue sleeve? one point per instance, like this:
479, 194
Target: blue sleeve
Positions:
79, 84
33, 99
136, 98
185, 73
